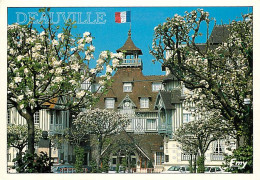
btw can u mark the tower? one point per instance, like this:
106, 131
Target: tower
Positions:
131, 54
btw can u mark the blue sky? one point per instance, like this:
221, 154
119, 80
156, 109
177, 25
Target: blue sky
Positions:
111, 36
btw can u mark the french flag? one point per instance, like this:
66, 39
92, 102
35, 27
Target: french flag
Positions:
123, 17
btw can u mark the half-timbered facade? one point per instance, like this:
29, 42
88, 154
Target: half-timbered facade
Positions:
171, 115
54, 121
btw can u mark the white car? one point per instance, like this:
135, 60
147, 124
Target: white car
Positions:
112, 169
177, 169
215, 169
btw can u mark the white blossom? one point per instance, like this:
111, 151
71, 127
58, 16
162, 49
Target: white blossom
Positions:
103, 55
19, 57
100, 61
75, 67
59, 70
115, 62
17, 79
88, 39
92, 48
73, 82
93, 71
55, 42
80, 94
85, 34
102, 82
109, 69
20, 97
57, 79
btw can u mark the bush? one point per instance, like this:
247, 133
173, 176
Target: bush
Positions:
245, 154
79, 152
32, 163
105, 164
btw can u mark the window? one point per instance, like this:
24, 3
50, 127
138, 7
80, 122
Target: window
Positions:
8, 116
85, 85
151, 124
9, 158
218, 147
159, 158
110, 103
114, 161
157, 86
52, 116
58, 117
186, 118
166, 158
127, 87
144, 102
36, 117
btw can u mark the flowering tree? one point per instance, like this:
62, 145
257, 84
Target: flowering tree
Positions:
196, 136
220, 76
18, 137
46, 66
100, 124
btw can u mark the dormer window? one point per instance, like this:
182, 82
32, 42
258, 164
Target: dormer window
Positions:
144, 102
86, 85
127, 87
110, 103
157, 86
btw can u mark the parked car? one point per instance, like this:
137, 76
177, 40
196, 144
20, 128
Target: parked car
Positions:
172, 169
214, 169
177, 169
112, 169
185, 169
64, 169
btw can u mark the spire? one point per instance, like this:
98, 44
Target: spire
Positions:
129, 33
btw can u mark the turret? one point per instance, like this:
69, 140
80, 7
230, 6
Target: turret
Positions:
131, 54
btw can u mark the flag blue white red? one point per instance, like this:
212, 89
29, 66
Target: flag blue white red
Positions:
123, 17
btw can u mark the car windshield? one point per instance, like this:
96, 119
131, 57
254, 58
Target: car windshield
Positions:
212, 170
112, 168
218, 169
207, 169
174, 168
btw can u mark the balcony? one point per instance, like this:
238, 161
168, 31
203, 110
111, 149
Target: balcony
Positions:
216, 157
142, 125
57, 128
131, 63
165, 128
186, 157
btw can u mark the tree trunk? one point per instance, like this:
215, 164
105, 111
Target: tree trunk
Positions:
31, 134
99, 150
20, 155
201, 163
194, 163
129, 163
190, 164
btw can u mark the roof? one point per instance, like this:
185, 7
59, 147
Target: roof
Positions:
129, 46
169, 77
141, 87
52, 103
219, 34
145, 144
166, 98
